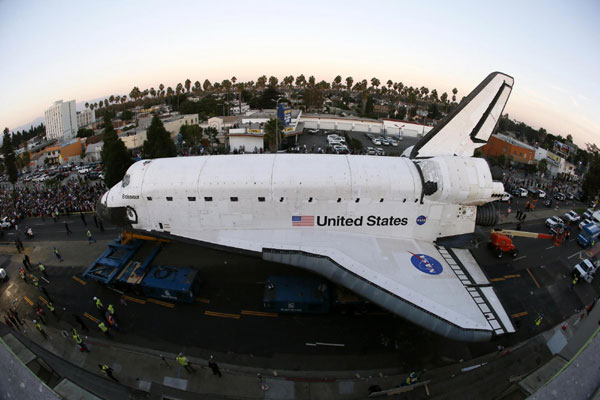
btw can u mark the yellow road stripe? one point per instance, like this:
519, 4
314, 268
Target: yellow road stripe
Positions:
91, 317
162, 303
43, 299
199, 300
497, 279
27, 300
521, 314
134, 299
260, 313
532, 277
512, 276
216, 314
79, 280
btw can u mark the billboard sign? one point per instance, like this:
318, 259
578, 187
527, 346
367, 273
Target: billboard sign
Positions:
285, 114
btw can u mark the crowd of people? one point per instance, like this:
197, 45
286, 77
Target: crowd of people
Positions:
38, 200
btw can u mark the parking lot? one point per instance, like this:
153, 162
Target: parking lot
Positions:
311, 141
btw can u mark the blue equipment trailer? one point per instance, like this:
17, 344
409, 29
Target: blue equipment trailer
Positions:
116, 268
297, 294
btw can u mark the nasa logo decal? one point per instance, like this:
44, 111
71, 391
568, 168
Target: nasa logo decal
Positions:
427, 264
421, 219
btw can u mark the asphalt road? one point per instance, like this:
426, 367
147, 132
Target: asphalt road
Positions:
232, 284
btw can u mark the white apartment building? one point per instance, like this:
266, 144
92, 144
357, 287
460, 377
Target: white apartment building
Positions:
61, 121
85, 117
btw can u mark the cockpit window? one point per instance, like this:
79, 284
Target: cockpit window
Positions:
125, 181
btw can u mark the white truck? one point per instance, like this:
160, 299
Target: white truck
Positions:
587, 269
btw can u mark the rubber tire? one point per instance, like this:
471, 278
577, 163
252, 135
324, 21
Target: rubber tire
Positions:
515, 253
499, 254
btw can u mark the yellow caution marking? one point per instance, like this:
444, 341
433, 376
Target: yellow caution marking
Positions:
223, 315
162, 303
43, 300
79, 280
512, 276
199, 300
96, 320
532, 277
521, 314
27, 300
134, 299
497, 279
260, 313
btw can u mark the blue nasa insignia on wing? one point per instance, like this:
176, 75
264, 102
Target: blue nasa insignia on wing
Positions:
421, 219
427, 264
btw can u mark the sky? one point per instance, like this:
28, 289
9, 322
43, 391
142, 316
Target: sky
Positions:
87, 50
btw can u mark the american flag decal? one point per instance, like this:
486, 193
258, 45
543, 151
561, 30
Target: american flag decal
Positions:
303, 220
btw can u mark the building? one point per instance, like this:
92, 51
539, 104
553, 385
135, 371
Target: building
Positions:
513, 149
66, 152
85, 117
61, 121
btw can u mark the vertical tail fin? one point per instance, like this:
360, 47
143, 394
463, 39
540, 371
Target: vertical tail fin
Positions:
470, 125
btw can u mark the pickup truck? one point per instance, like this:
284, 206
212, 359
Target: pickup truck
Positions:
586, 270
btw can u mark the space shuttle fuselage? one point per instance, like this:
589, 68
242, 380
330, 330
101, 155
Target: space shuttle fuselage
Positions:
386, 197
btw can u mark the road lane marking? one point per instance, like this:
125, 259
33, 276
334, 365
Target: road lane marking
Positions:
315, 344
79, 280
573, 255
532, 277
96, 320
223, 315
551, 247
497, 279
28, 300
47, 281
512, 276
161, 303
134, 299
521, 314
519, 258
199, 300
260, 313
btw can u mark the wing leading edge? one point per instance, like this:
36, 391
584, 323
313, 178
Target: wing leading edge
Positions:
470, 125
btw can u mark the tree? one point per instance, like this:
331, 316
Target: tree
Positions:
273, 81
273, 133
161, 90
191, 134
206, 85
84, 132
501, 160
454, 91
158, 143
212, 133
542, 166
115, 157
349, 82
87, 105
10, 164
591, 182
197, 87
126, 115
26, 158
188, 85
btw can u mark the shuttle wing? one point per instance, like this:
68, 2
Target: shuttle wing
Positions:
441, 289
470, 125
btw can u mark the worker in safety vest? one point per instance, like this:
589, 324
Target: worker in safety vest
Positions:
411, 378
39, 328
36, 282
181, 359
103, 328
111, 309
79, 341
107, 371
50, 307
42, 269
99, 304
22, 274
538, 320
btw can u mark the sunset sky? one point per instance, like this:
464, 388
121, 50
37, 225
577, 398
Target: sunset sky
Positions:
86, 50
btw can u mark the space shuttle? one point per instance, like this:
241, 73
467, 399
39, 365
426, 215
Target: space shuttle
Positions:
375, 225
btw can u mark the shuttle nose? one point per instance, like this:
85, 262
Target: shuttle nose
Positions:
114, 215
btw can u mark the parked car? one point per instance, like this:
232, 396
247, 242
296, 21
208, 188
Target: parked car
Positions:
379, 151
550, 222
570, 196
541, 194
3, 276
394, 143
585, 222
520, 192
586, 270
376, 141
313, 131
371, 151
571, 216
5, 223
588, 213
560, 196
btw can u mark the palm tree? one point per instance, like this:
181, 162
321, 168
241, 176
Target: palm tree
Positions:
123, 99
152, 92
161, 89
337, 81
375, 83
233, 80
197, 87
87, 105
301, 81
454, 91
188, 85
389, 84
273, 81
170, 91
105, 103
111, 99
227, 85
349, 82
261, 82
206, 85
